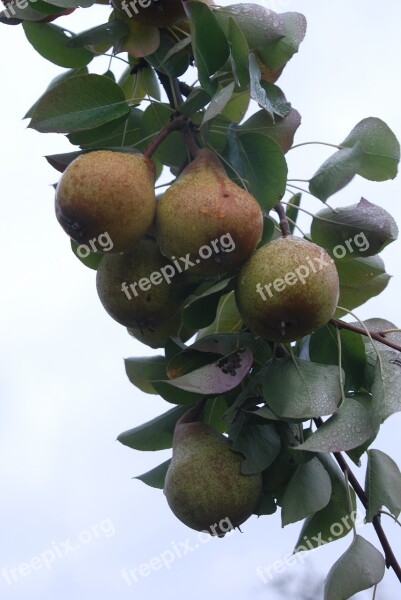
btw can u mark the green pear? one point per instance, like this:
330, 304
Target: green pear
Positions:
139, 288
204, 485
287, 289
206, 215
156, 337
107, 192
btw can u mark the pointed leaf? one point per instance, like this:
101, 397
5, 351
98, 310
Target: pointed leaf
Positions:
51, 42
218, 102
142, 371
282, 131
156, 434
260, 25
259, 444
382, 485
359, 568
155, 477
276, 54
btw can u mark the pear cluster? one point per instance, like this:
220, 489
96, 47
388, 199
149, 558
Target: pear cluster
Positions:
144, 277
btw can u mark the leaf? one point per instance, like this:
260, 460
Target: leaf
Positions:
359, 568
360, 230
276, 54
311, 390
88, 258
267, 95
227, 318
323, 348
259, 25
155, 478
210, 45
218, 102
107, 33
79, 103
259, 444
382, 484
156, 434
282, 131
201, 310
348, 428
142, 371
292, 211
61, 161
360, 280
334, 521
239, 51
370, 150
51, 42
386, 388
262, 163
308, 491
220, 377
166, 59
126, 129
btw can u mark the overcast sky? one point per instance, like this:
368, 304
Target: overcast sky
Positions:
67, 488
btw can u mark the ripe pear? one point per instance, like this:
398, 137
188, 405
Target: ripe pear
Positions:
205, 214
133, 290
287, 289
156, 337
204, 485
107, 192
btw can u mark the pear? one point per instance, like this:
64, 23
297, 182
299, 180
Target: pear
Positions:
287, 289
204, 485
156, 337
207, 216
159, 13
133, 289
107, 192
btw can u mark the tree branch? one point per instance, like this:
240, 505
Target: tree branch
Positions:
177, 124
379, 336
391, 560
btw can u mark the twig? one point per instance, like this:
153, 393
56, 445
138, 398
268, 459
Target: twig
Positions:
178, 123
379, 336
391, 560
284, 225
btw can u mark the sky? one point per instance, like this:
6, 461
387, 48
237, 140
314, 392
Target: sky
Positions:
73, 521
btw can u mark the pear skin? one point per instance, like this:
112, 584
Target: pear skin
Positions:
107, 192
134, 292
204, 485
287, 289
204, 208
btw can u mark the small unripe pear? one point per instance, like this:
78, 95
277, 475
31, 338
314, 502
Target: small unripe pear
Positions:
132, 288
107, 192
287, 289
204, 485
205, 214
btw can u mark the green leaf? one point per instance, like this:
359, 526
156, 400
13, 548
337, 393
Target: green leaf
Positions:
125, 130
258, 24
282, 131
239, 51
308, 491
371, 150
156, 434
348, 428
107, 33
268, 96
360, 280
91, 260
359, 568
210, 45
142, 371
323, 348
261, 162
310, 390
217, 378
172, 151
167, 59
260, 444
276, 54
61, 161
386, 388
52, 43
334, 521
155, 478
201, 311
360, 230
292, 211
218, 102
382, 485
227, 318
79, 103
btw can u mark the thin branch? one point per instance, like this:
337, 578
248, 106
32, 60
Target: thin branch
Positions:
391, 560
314, 143
379, 336
284, 225
177, 124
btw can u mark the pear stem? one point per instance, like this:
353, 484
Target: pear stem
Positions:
177, 124
379, 336
194, 413
284, 224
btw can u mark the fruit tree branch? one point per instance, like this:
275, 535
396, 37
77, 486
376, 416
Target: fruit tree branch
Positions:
379, 336
177, 124
391, 560
284, 225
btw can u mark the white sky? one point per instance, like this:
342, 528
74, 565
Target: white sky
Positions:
65, 396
